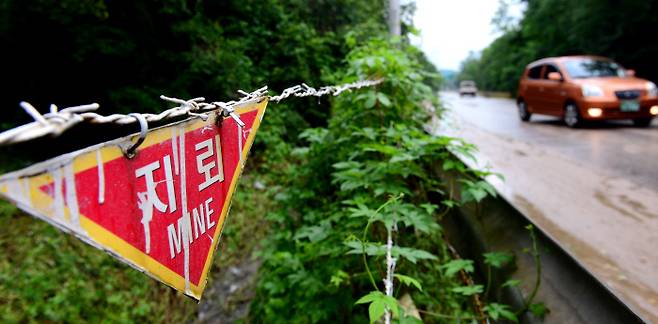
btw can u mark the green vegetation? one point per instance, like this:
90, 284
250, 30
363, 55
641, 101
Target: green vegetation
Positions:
123, 55
368, 176
563, 27
336, 177
48, 275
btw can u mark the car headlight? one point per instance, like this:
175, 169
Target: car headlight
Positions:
592, 91
652, 90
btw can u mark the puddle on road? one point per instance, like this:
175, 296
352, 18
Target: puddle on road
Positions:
595, 261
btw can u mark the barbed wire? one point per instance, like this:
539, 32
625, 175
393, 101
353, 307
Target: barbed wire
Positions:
57, 121
303, 90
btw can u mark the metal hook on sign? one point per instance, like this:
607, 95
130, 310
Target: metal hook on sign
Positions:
144, 127
228, 111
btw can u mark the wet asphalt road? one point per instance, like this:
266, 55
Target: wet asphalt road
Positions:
593, 191
614, 147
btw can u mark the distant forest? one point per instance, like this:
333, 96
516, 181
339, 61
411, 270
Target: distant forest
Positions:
626, 31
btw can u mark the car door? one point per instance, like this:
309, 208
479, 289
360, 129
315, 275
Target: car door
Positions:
552, 93
532, 85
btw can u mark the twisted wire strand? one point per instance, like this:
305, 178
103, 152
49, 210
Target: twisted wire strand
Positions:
58, 121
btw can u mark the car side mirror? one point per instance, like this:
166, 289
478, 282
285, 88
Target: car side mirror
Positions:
630, 73
555, 76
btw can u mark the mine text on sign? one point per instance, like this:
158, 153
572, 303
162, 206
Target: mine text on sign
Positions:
161, 211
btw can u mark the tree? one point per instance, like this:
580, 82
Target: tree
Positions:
562, 27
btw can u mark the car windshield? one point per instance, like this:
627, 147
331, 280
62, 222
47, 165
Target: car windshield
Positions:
593, 68
467, 83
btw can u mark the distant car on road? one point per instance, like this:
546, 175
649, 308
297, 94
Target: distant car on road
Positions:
467, 87
579, 88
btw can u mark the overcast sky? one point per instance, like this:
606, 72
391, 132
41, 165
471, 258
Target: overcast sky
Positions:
452, 28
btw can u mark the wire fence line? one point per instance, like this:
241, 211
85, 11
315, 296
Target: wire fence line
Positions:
58, 120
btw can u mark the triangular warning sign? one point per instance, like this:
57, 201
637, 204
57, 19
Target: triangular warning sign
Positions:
162, 210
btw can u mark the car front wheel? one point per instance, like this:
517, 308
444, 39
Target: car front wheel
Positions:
572, 115
524, 114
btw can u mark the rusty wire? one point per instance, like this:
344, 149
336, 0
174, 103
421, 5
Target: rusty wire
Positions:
58, 121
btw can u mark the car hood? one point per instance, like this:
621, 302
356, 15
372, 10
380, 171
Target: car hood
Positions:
614, 83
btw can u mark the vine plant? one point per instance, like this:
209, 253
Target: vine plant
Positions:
357, 224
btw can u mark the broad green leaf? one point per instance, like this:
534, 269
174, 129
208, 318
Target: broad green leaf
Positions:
347, 165
409, 281
476, 191
372, 249
339, 277
393, 305
454, 266
497, 311
429, 208
362, 211
370, 297
368, 132
376, 309
405, 319
511, 283
314, 233
402, 157
378, 303
448, 165
383, 99
412, 254
299, 152
468, 290
539, 309
370, 100
314, 135
497, 259
476, 194
488, 188
449, 203
414, 216
381, 148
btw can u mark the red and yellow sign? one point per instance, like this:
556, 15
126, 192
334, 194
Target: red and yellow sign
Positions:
161, 211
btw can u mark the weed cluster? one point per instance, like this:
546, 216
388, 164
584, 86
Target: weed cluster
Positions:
360, 205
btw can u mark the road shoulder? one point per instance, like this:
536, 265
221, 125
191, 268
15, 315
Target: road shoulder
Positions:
600, 220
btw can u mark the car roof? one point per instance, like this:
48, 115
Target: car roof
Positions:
565, 58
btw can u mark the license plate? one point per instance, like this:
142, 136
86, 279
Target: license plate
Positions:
630, 105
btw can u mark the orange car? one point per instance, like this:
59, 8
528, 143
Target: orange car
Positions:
579, 88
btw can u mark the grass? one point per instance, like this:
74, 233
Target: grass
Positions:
47, 275
245, 226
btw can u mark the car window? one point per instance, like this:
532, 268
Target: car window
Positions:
535, 72
549, 69
592, 68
